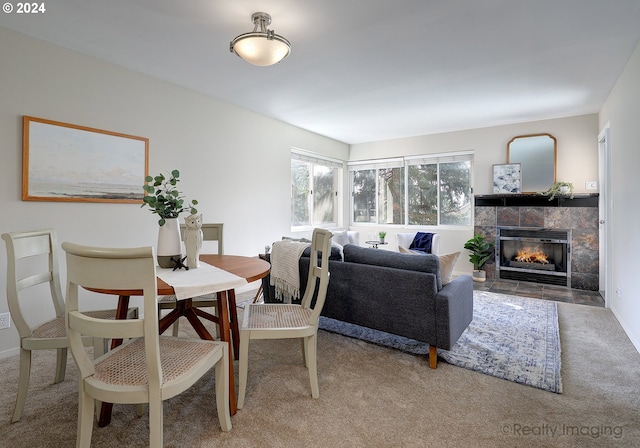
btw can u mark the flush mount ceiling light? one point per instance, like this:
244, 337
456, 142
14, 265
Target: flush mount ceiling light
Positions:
261, 46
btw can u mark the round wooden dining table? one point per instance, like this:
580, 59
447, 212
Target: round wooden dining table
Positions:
249, 268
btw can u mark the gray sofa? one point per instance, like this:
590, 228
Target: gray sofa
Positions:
396, 293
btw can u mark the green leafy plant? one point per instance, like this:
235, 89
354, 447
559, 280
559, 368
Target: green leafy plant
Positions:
163, 197
480, 250
381, 235
556, 189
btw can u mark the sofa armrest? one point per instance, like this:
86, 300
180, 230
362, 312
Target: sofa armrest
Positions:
454, 310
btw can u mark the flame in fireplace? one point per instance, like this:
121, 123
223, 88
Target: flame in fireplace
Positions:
528, 255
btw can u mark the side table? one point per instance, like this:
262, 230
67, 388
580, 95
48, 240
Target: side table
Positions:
375, 244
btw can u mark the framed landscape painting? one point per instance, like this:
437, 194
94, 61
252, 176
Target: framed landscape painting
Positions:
507, 178
71, 163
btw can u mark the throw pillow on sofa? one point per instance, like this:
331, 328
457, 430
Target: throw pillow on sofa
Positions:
340, 237
447, 262
336, 253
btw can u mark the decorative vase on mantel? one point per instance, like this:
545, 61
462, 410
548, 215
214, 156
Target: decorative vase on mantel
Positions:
169, 243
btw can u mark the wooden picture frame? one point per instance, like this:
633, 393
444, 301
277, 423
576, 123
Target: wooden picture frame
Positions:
70, 163
507, 178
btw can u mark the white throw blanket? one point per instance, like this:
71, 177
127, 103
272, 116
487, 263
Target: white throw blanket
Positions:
285, 274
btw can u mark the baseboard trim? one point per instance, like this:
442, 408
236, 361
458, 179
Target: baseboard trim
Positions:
9, 353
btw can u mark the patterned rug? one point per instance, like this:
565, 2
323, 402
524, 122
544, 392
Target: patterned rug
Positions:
514, 338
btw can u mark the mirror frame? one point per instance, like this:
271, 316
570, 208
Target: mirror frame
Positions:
555, 155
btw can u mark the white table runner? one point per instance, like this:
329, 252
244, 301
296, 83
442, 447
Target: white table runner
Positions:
196, 282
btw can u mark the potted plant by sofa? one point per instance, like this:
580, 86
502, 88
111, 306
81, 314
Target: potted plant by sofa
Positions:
481, 251
381, 236
559, 188
164, 199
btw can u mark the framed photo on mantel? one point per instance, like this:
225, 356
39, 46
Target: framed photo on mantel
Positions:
507, 178
71, 163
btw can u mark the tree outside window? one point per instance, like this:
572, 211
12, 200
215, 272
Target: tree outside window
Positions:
364, 196
455, 193
423, 194
437, 192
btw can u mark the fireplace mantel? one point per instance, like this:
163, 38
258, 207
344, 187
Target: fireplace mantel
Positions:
536, 200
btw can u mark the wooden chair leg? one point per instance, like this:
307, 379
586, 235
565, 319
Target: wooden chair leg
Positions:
243, 367
23, 383
176, 328
222, 391
85, 418
61, 365
433, 356
312, 363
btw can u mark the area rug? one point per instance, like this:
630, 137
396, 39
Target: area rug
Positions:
514, 338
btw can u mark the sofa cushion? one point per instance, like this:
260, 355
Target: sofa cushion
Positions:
378, 257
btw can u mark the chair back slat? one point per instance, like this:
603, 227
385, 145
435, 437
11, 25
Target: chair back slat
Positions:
105, 329
33, 280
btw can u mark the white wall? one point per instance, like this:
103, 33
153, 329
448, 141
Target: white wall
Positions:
235, 162
622, 112
577, 162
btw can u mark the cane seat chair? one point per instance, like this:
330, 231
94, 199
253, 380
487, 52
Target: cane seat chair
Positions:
210, 232
32, 262
285, 321
148, 368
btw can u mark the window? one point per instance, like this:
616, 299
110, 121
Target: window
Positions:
426, 190
314, 190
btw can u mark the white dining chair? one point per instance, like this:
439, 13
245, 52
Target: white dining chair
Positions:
285, 321
32, 261
210, 232
147, 368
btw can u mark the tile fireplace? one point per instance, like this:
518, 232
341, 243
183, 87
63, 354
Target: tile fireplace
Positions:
565, 231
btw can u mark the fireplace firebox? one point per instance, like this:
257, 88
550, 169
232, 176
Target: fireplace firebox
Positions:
531, 254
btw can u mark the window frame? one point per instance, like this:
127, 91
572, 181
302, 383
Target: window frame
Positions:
318, 160
405, 163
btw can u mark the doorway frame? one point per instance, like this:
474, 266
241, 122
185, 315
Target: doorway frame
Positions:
604, 212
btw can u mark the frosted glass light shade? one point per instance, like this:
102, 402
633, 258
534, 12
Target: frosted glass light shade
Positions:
261, 49
262, 46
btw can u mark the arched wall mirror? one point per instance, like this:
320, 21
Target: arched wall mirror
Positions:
536, 154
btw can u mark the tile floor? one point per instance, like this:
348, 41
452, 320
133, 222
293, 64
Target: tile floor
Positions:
540, 291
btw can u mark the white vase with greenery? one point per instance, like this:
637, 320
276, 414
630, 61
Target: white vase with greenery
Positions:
169, 246
163, 198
